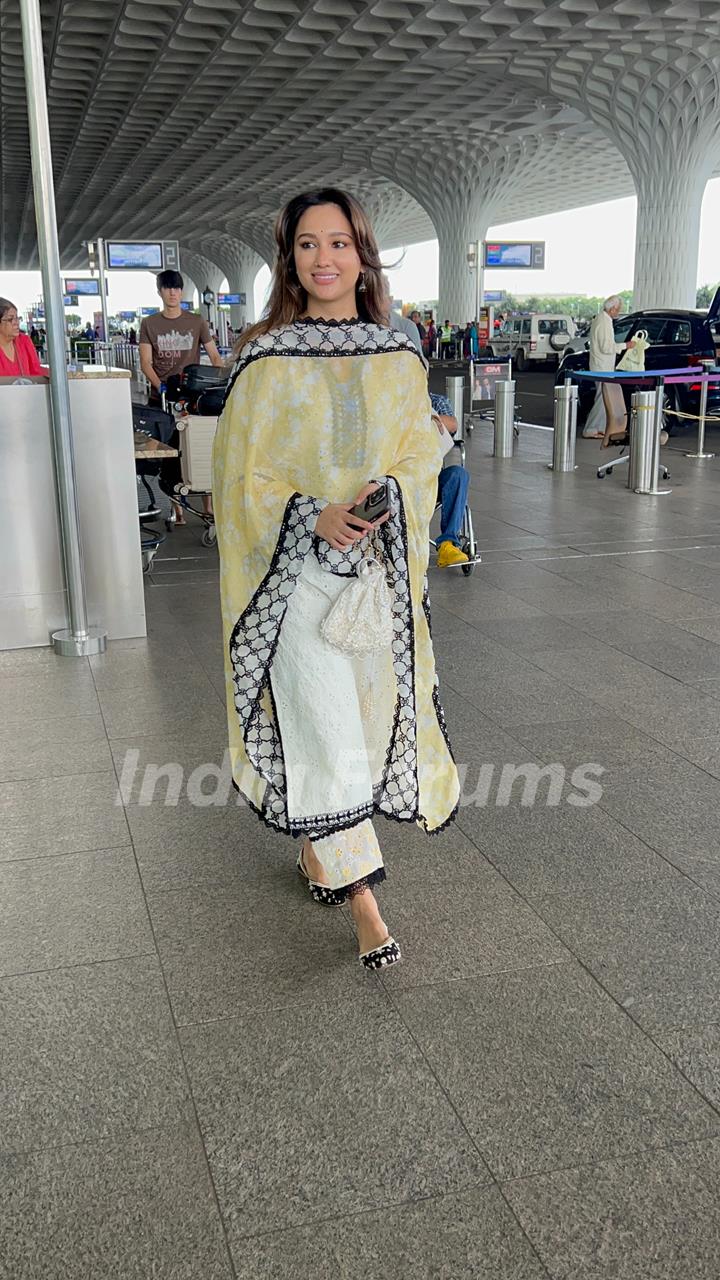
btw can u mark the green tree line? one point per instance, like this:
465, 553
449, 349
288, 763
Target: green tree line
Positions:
579, 305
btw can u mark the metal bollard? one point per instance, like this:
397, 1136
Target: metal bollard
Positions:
455, 392
645, 428
700, 451
565, 428
504, 419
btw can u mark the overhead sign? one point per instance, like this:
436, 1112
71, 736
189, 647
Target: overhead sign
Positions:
70, 300
186, 306
127, 315
171, 255
88, 288
142, 255
134, 255
515, 254
231, 299
149, 311
493, 295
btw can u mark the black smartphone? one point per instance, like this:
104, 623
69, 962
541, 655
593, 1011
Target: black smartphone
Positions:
375, 505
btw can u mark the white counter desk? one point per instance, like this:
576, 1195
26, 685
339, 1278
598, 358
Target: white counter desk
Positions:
32, 595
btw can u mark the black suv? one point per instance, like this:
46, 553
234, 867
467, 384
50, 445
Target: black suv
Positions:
677, 339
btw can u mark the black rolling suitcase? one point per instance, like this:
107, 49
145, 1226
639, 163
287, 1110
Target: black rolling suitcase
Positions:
201, 386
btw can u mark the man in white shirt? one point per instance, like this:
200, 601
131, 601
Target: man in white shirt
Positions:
603, 352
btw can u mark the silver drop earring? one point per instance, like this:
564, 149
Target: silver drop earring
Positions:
362, 287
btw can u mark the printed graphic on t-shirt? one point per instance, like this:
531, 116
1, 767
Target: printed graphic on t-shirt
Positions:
172, 342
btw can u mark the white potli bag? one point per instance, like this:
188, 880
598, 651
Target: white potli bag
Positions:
360, 621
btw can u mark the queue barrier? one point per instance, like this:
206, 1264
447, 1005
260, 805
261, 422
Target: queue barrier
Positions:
646, 420
564, 428
504, 433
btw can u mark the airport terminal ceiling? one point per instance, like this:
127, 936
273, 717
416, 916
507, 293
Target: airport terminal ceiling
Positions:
194, 119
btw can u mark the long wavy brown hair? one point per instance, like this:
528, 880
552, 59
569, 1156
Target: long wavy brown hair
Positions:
288, 299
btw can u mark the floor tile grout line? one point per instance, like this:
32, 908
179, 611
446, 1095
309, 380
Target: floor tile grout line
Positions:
252, 1010
78, 964
178, 1042
585, 965
65, 853
625, 1158
471, 1139
118, 1138
363, 1213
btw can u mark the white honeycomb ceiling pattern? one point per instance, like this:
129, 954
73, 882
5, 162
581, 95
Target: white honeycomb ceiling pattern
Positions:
195, 119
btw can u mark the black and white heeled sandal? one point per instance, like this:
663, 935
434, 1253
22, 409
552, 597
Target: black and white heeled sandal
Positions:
320, 892
383, 956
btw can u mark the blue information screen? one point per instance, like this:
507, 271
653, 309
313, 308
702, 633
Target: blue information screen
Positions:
134, 255
231, 299
508, 255
89, 288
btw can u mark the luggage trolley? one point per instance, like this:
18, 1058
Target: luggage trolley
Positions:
196, 397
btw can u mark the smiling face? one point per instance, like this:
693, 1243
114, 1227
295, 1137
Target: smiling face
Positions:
327, 262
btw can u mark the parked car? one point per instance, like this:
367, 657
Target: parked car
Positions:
678, 339
529, 339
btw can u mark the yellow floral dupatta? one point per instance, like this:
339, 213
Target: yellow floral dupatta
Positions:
314, 410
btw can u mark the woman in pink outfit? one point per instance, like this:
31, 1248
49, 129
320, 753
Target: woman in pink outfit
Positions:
18, 357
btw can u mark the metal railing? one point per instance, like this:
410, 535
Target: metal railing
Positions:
116, 355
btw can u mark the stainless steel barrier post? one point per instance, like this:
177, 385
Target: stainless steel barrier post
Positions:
504, 419
700, 451
565, 427
79, 639
645, 428
455, 392
103, 294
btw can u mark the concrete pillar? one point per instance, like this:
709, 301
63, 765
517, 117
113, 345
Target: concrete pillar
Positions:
241, 265
667, 233
459, 224
662, 111
207, 275
189, 289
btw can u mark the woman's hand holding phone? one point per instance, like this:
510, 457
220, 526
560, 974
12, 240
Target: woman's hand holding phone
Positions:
339, 528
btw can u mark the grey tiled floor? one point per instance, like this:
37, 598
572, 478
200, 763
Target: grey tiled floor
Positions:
198, 1080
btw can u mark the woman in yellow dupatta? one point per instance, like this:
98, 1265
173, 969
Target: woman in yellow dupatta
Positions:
325, 404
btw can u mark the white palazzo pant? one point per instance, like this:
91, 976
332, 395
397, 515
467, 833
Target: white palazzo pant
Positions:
334, 717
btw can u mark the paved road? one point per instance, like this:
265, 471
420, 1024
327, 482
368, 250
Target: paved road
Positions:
534, 395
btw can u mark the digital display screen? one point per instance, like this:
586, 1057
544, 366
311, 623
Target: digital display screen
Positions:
508, 255
149, 311
231, 299
89, 288
186, 306
134, 255
493, 295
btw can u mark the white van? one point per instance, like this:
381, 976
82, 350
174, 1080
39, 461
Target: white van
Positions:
531, 338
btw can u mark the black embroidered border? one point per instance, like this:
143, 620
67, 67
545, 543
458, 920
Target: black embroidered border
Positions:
249, 355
